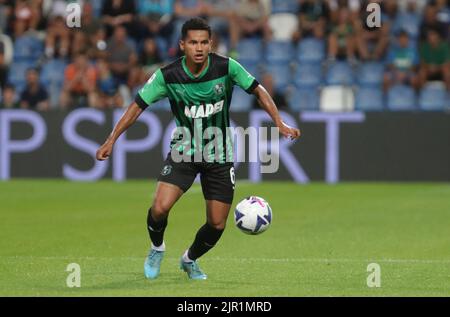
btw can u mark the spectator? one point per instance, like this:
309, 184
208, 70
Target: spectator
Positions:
8, 100
79, 84
3, 67
80, 43
90, 25
150, 57
34, 95
219, 14
354, 7
402, 61
97, 45
57, 40
341, 41
313, 17
109, 95
435, 59
119, 13
250, 20
157, 17
269, 85
120, 54
430, 21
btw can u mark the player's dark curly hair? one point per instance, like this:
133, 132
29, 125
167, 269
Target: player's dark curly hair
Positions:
195, 24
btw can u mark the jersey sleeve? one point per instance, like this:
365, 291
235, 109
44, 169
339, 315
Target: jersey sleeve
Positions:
241, 77
154, 90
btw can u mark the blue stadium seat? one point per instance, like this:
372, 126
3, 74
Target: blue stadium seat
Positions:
369, 99
250, 50
340, 73
308, 75
17, 74
410, 22
252, 68
304, 99
53, 72
401, 97
279, 52
52, 77
28, 48
284, 6
434, 98
311, 50
241, 101
281, 74
162, 105
370, 74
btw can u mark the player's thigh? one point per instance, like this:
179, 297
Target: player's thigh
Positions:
218, 182
217, 213
166, 195
180, 174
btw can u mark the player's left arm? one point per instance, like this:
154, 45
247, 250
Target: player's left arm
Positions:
266, 102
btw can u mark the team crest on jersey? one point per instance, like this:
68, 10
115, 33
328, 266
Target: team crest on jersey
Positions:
166, 170
219, 89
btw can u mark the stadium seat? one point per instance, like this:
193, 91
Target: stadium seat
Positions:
250, 50
410, 22
308, 75
370, 74
281, 74
284, 6
337, 98
28, 48
241, 101
311, 50
17, 74
340, 73
401, 97
279, 52
369, 99
252, 68
162, 105
52, 77
433, 97
304, 99
53, 71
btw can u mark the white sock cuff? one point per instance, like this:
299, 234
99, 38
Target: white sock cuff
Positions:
186, 257
161, 248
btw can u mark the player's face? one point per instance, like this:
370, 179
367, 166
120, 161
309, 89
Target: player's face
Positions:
196, 46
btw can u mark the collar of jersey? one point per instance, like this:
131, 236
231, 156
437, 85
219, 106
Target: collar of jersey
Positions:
188, 72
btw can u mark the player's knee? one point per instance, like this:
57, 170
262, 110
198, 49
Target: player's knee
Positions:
218, 225
160, 210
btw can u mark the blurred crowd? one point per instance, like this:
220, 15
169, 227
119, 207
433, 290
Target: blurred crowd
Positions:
45, 64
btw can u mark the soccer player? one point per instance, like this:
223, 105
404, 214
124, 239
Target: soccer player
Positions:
199, 87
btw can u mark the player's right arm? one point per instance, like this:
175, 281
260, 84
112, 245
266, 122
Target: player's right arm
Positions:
128, 118
154, 90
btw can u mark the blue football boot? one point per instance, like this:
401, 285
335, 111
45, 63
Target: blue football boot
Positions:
153, 263
193, 270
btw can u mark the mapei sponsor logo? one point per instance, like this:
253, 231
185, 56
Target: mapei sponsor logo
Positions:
203, 111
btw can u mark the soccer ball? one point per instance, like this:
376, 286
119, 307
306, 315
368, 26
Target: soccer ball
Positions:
253, 215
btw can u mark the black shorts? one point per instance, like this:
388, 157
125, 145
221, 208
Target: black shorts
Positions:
217, 179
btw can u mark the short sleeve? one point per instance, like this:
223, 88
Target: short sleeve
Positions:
241, 77
154, 90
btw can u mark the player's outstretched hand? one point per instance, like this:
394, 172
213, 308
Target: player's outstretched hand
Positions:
288, 131
104, 151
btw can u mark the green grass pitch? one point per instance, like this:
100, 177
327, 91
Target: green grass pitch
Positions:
320, 243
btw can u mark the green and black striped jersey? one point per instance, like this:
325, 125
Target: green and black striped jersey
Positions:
199, 103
